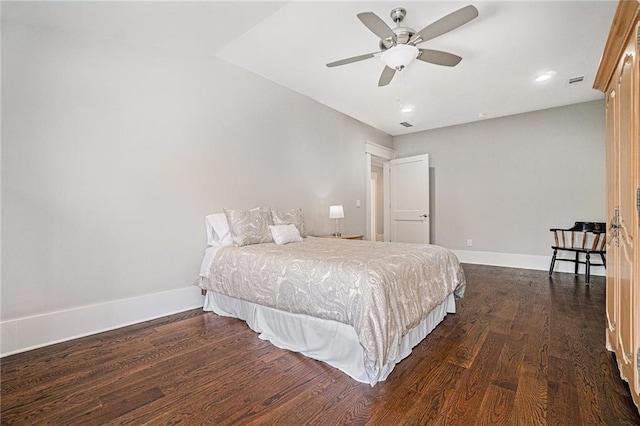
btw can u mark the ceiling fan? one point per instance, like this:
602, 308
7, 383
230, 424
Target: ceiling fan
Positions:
398, 45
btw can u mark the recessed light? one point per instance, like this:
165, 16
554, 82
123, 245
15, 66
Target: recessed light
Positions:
544, 76
481, 115
407, 108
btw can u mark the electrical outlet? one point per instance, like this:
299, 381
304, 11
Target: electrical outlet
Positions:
358, 204
469, 243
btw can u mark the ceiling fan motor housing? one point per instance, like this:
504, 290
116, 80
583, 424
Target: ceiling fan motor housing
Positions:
403, 35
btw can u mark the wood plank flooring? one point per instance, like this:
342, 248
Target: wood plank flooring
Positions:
522, 350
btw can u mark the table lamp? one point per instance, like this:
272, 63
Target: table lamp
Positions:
337, 213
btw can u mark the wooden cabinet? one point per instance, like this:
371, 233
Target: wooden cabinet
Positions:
618, 77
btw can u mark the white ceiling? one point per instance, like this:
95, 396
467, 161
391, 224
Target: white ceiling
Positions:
289, 43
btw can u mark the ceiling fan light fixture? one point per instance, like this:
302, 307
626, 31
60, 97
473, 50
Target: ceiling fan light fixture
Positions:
399, 56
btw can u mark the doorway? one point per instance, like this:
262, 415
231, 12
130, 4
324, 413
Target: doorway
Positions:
377, 199
377, 184
397, 209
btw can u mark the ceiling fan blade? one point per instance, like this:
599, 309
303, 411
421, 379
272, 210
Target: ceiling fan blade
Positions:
439, 57
386, 76
376, 25
445, 24
351, 60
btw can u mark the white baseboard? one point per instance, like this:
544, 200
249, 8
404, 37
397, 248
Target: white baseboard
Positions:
23, 334
523, 261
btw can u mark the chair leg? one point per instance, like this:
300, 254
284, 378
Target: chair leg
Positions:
553, 262
588, 268
577, 263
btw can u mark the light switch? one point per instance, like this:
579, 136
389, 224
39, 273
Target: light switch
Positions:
358, 204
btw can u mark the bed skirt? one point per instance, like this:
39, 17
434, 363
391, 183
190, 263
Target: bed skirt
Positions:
329, 341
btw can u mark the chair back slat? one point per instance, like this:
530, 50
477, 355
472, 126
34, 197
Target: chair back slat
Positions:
593, 236
603, 243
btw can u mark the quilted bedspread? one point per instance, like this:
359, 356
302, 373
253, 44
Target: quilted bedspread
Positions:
381, 289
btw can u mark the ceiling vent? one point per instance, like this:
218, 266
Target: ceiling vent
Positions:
576, 80
406, 124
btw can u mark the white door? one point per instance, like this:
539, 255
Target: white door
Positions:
409, 195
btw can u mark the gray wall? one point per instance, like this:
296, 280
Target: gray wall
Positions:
504, 182
113, 154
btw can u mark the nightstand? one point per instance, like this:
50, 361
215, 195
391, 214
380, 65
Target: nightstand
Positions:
344, 236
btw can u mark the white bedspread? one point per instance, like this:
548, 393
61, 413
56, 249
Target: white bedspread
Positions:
380, 289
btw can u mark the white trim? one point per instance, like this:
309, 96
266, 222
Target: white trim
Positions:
522, 261
367, 195
373, 217
386, 191
379, 151
26, 333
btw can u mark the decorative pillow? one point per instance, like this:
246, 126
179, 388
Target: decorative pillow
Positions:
293, 216
249, 226
218, 233
285, 234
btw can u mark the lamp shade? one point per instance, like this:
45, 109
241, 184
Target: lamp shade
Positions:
336, 212
399, 56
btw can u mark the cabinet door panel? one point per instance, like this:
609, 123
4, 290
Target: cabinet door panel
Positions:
627, 202
612, 202
627, 206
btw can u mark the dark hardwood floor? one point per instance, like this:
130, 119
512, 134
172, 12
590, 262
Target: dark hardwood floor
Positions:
522, 350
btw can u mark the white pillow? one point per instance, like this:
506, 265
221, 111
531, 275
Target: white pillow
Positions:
218, 233
285, 234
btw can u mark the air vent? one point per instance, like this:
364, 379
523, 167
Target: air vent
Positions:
576, 80
406, 124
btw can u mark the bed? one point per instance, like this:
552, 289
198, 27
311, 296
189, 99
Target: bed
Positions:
360, 306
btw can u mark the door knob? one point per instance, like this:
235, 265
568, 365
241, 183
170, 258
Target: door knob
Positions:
424, 215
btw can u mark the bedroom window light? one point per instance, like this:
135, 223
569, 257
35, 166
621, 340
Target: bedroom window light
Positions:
337, 213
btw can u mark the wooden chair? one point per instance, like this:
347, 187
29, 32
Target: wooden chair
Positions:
593, 241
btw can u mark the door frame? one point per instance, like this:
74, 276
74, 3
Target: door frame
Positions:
377, 150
